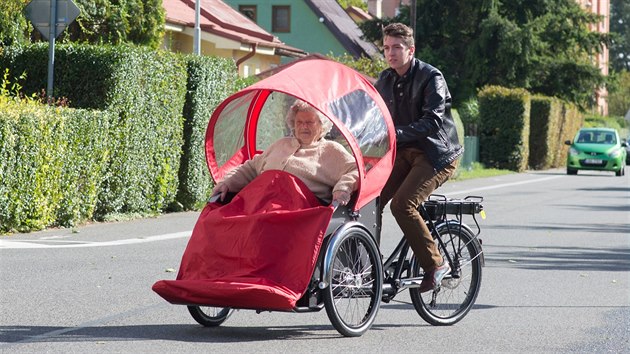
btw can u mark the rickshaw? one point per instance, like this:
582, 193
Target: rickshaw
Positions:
274, 247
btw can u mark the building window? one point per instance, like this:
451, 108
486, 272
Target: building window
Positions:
249, 11
281, 19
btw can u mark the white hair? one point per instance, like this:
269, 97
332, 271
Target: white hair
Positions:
301, 106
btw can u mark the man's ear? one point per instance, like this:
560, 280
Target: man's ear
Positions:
412, 50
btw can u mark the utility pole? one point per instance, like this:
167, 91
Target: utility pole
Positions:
197, 38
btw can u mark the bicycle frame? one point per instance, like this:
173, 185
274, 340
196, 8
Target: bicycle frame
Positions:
395, 283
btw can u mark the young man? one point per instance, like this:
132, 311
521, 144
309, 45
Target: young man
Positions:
426, 139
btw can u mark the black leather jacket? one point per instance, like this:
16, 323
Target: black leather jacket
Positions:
420, 105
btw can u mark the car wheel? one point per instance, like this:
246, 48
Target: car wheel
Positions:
621, 172
571, 171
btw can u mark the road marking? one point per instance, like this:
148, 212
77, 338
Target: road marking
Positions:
497, 186
10, 244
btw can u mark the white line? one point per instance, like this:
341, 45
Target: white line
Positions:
7, 244
497, 186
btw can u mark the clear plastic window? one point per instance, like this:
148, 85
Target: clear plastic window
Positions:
360, 114
229, 128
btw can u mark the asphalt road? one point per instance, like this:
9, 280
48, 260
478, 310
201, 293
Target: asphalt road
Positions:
557, 279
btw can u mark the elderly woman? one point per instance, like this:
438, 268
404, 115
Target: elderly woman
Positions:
326, 168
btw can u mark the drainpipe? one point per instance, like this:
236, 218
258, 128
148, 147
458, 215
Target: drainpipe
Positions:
247, 56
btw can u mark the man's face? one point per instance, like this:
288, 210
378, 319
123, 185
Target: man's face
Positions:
397, 54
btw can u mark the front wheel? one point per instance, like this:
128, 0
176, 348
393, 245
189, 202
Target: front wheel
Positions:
455, 295
355, 280
210, 316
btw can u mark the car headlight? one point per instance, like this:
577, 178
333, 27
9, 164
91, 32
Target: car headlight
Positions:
573, 151
615, 153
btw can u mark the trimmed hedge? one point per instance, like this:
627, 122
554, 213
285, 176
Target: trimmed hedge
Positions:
210, 81
571, 121
52, 162
504, 127
145, 89
544, 138
146, 97
552, 122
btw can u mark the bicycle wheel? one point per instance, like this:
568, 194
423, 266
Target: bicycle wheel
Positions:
353, 295
208, 316
454, 297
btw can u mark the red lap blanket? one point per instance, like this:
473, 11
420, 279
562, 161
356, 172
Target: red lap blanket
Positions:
256, 252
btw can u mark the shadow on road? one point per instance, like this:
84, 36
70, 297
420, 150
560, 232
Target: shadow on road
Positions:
591, 228
560, 258
14, 335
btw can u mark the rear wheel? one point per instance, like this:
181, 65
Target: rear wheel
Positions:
456, 294
208, 316
355, 280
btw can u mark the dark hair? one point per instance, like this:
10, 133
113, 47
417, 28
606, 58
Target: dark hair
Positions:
400, 30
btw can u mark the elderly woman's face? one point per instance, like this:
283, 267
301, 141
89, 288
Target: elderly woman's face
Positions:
308, 127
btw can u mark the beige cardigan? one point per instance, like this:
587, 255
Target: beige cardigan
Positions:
325, 166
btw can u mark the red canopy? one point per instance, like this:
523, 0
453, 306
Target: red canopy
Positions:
247, 122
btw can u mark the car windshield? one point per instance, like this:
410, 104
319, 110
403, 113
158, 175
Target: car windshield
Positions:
597, 137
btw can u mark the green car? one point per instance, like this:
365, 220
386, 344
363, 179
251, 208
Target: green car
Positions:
596, 149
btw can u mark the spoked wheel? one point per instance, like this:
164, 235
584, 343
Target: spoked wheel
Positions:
355, 283
210, 316
455, 296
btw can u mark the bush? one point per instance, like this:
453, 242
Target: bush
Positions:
210, 80
469, 113
544, 137
145, 90
504, 128
52, 162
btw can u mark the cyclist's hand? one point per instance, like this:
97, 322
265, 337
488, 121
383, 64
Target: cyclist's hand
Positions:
341, 197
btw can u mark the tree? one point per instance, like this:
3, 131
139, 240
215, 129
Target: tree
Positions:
620, 25
619, 94
13, 24
101, 22
118, 21
544, 46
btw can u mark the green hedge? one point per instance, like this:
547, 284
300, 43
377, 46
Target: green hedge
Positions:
504, 127
571, 121
52, 162
210, 81
147, 91
552, 123
144, 89
544, 138
152, 160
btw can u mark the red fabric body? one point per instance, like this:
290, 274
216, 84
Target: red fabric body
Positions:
257, 252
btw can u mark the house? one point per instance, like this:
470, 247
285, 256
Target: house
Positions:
602, 8
316, 26
224, 32
386, 8
358, 15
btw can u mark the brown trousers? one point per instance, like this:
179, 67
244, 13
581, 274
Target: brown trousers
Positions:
412, 181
